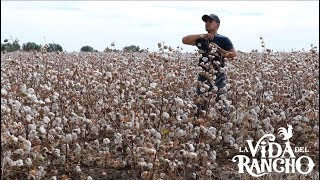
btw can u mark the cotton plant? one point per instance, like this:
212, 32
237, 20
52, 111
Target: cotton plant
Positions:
62, 112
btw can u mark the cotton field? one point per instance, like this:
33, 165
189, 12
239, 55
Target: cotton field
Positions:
122, 115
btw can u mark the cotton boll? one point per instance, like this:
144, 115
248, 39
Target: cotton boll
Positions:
4, 92
269, 96
209, 173
213, 155
40, 171
47, 100
266, 121
74, 136
149, 94
305, 119
297, 118
45, 120
316, 144
165, 115
108, 75
142, 90
149, 101
211, 135
202, 89
150, 165
78, 169
33, 98
192, 155
212, 129
194, 176
28, 162
23, 88
14, 139
7, 160
204, 59
19, 152
191, 147
68, 138
179, 102
118, 138
153, 85
229, 139
5, 109
106, 141
56, 122
156, 134
115, 101
142, 164
212, 112
77, 149
96, 142
28, 118
180, 133
19, 163
30, 91
257, 109
144, 175
65, 147
282, 115
162, 175
42, 130
58, 129
95, 130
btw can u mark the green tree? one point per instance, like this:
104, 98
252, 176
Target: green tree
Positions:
31, 46
54, 47
9, 47
107, 49
132, 48
87, 49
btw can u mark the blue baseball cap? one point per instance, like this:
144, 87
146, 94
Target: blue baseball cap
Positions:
211, 16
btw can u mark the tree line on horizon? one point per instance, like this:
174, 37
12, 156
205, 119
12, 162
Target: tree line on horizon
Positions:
7, 46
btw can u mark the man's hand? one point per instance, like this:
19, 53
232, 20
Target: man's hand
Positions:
214, 45
228, 54
206, 36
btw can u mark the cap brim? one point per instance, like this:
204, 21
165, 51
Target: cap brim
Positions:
205, 17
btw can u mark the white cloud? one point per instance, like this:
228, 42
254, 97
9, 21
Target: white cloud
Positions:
284, 25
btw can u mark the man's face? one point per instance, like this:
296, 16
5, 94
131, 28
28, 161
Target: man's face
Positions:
211, 25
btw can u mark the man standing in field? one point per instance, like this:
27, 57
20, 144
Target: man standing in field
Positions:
214, 48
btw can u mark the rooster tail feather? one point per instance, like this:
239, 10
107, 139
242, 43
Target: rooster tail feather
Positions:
282, 130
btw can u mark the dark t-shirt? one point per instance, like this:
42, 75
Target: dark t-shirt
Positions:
222, 41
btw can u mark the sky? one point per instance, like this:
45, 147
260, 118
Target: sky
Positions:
284, 25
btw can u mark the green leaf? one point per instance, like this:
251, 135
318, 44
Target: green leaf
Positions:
166, 131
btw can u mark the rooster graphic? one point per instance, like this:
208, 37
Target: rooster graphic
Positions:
287, 134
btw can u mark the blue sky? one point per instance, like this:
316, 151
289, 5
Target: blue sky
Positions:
284, 25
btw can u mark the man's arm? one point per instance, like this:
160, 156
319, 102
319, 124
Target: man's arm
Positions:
228, 54
192, 39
